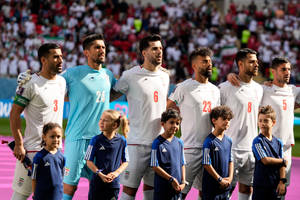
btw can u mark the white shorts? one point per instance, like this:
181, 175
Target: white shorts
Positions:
22, 183
244, 164
193, 168
138, 167
287, 154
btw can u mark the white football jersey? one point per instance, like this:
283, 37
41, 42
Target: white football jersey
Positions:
244, 101
43, 100
195, 101
282, 101
146, 93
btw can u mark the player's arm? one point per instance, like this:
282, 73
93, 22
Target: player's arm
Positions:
117, 172
281, 189
206, 161
162, 173
224, 183
114, 95
15, 127
230, 172
97, 171
233, 79
183, 181
33, 185
274, 161
172, 104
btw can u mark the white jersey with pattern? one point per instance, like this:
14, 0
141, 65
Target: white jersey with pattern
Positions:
282, 100
195, 101
43, 100
146, 93
244, 101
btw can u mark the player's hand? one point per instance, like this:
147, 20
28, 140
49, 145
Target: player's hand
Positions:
182, 186
19, 152
24, 77
113, 175
281, 189
228, 179
268, 83
176, 185
233, 79
105, 178
224, 184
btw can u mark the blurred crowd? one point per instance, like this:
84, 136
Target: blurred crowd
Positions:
273, 30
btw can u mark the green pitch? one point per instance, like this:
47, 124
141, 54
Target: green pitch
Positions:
4, 130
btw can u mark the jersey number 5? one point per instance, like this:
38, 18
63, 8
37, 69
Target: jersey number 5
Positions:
284, 104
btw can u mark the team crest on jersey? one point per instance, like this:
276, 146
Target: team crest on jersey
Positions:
21, 181
66, 171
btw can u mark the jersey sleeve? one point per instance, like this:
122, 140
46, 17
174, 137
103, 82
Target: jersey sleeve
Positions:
122, 84
258, 150
24, 95
206, 152
90, 152
231, 155
155, 149
281, 148
35, 165
125, 155
297, 91
182, 153
223, 93
177, 95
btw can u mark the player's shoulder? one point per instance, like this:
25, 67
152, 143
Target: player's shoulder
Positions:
180, 141
258, 139
213, 87
184, 84
228, 138
164, 71
208, 140
225, 85
156, 142
256, 85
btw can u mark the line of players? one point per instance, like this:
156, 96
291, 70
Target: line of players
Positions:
90, 88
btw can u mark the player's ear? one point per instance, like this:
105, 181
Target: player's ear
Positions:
85, 52
274, 122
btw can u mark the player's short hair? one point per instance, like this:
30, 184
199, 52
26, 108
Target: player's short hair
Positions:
43, 51
47, 127
242, 54
269, 111
89, 39
277, 61
202, 51
221, 111
170, 113
144, 43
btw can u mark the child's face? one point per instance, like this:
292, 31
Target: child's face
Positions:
106, 123
53, 138
265, 123
221, 123
171, 126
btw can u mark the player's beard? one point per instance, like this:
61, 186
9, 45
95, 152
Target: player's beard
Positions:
56, 69
251, 73
155, 62
206, 73
98, 61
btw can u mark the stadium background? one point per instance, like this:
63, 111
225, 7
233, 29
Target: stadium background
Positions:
270, 27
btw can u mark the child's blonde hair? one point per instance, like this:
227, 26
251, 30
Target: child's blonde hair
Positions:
121, 121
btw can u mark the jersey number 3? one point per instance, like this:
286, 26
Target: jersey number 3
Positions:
55, 102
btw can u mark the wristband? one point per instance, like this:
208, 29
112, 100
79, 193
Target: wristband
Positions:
283, 162
283, 180
171, 179
98, 171
220, 179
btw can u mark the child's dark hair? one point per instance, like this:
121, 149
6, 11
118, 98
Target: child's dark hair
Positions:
221, 111
47, 127
170, 113
269, 111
